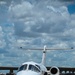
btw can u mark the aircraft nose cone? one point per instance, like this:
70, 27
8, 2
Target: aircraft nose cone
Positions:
28, 73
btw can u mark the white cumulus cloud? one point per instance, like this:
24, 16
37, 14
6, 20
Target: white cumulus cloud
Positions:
37, 23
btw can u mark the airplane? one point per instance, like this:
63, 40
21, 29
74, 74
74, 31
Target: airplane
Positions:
33, 68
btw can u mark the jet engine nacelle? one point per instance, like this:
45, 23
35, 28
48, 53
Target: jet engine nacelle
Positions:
54, 71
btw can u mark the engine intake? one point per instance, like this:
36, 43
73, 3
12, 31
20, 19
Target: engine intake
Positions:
54, 71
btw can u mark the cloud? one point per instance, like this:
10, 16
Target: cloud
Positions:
40, 20
24, 8
52, 25
2, 41
2, 2
31, 23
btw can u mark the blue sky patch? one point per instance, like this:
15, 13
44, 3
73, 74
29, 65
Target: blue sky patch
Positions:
71, 9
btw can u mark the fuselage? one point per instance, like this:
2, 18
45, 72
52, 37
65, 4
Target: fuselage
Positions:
31, 68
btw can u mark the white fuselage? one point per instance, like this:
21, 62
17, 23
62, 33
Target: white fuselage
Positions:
28, 73
31, 68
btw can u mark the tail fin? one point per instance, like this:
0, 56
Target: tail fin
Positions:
44, 56
44, 51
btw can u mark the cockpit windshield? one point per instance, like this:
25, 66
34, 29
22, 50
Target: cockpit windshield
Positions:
23, 67
33, 68
38, 67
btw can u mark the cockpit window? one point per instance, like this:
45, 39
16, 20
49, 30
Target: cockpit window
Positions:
38, 67
33, 68
23, 67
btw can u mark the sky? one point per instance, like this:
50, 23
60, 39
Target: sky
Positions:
71, 8
33, 24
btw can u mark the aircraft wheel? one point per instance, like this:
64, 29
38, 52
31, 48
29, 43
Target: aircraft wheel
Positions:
45, 73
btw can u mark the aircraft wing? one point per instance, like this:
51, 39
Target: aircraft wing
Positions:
65, 70
11, 69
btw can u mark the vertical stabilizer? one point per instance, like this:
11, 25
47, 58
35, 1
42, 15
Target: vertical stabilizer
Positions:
44, 56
